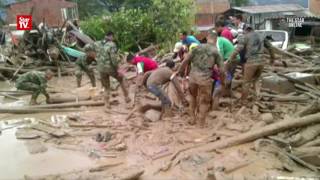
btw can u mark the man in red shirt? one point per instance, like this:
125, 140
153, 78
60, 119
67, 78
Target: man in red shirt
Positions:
143, 65
223, 31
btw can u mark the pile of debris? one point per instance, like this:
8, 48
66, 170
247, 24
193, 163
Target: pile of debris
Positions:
41, 48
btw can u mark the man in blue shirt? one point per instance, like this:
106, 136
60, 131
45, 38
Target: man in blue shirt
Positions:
188, 39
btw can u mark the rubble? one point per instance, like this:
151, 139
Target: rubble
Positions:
275, 133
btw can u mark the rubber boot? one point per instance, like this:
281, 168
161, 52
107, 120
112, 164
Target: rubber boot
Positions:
92, 80
33, 100
107, 104
79, 82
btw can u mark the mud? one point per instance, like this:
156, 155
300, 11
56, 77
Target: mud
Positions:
148, 145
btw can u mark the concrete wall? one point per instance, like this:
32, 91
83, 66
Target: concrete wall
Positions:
50, 10
208, 10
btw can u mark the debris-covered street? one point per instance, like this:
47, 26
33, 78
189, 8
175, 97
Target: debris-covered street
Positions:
73, 106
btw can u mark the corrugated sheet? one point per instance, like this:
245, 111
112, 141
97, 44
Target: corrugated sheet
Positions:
270, 8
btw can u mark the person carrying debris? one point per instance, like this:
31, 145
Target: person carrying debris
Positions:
253, 45
143, 65
83, 64
203, 58
108, 65
155, 79
36, 82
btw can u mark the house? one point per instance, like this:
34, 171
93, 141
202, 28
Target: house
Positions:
53, 12
259, 16
314, 7
207, 13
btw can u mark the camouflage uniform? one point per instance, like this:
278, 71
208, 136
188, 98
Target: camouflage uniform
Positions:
203, 58
253, 45
107, 65
84, 66
33, 81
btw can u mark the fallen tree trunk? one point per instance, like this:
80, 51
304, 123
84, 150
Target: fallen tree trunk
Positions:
69, 105
286, 98
305, 88
60, 99
280, 51
264, 131
23, 110
306, 135
313, 108
315, 142
306, 151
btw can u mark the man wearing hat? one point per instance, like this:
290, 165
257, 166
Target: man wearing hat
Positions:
84, 65
253, 46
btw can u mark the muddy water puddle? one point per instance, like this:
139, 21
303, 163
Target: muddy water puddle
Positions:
16, 161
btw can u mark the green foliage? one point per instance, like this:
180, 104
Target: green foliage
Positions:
133, 28
239, 2
136, 28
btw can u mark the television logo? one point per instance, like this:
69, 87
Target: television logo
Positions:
24, 22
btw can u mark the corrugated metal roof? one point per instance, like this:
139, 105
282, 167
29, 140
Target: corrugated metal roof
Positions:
301, 14
270, 8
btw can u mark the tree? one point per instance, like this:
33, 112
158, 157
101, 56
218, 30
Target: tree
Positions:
136, 27
239, 2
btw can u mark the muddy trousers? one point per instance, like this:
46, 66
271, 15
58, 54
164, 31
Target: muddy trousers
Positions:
252, 73
165, 101
200, 102
90, 74
28, 86
105, 81
157, 91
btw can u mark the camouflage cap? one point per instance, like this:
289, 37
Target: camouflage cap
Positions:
89, 47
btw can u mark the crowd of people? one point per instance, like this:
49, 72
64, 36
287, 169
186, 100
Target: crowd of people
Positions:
207, 69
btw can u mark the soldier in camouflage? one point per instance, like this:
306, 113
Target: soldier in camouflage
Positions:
202, 58
253, 45
36, 82
84, 65
108, 61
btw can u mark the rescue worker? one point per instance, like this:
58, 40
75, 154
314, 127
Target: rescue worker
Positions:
159, 77
253, 45
36, 82
83, 64
143, 65
108, 64
202, 58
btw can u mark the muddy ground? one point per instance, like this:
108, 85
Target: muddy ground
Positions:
70, 149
